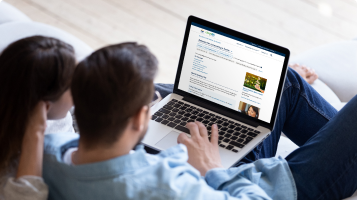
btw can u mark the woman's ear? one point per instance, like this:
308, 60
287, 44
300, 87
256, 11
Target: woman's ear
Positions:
58, 109
49, 106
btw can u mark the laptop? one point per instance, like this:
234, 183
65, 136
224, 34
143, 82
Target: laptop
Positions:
227, 78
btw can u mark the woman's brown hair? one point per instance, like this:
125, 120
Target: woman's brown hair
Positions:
31, 69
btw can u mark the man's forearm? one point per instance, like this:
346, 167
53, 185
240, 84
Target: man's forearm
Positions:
236, 185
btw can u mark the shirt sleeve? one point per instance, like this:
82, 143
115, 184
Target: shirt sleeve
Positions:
191, 186
26, 188
218, 184
234, 184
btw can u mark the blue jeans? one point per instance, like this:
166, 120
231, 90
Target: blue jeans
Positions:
325, 165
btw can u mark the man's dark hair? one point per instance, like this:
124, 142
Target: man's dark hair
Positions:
109, 87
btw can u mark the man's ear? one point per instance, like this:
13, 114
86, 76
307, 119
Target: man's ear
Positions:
141, 119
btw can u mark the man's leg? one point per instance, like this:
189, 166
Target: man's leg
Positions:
164, 89
325, 167
301, 114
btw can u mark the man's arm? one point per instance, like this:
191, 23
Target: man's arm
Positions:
204, 156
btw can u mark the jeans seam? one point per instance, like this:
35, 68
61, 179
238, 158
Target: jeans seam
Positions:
353, 162
303, 94
259, 149
287, 87
314, 107
257, 155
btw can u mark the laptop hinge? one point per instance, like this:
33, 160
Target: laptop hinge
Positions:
222, 112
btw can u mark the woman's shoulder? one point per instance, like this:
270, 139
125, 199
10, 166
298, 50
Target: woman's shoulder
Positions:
5, 175
25, 187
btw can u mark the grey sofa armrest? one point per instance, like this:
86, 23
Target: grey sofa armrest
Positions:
11, 32
336, 65
8, 13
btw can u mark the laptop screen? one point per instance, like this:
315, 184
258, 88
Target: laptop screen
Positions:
231, 72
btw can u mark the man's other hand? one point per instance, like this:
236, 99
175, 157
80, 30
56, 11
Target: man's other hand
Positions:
202, 153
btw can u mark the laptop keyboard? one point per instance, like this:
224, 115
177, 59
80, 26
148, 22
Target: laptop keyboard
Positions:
232, 136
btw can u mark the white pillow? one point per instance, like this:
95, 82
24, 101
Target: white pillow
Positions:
336, 65
8, 13
11, 32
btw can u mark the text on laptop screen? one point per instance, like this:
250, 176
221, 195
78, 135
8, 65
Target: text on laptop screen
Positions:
232, 72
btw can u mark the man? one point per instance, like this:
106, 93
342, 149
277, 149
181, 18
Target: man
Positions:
112, 90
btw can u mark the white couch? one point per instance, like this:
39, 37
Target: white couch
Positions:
336, 63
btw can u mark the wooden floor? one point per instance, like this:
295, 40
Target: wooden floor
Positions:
296, 24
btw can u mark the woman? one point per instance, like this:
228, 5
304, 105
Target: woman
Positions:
35, 76
253, 111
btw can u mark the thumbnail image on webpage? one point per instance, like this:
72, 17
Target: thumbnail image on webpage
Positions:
249, 109
255, 82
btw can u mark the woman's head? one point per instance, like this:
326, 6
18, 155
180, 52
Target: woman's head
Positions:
253, 111
31, 70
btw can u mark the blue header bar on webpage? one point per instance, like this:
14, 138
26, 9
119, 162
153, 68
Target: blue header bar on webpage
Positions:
236, 38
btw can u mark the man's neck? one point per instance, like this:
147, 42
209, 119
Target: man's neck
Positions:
126, 142
85, 155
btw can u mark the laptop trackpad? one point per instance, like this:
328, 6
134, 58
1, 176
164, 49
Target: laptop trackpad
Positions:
169, 140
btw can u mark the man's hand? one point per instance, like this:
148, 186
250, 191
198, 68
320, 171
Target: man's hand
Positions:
202, 153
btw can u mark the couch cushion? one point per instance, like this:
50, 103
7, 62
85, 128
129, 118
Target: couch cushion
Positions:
336, 65
11, 32
8, 13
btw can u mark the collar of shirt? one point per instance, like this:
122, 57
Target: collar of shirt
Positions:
60, 143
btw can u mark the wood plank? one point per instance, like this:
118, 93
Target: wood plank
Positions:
340, 9
78, 18
164, 45
152, 15
350, 2
310, 13
42, 16
289, 23
23, 7
237, 19
163, 21
265, 13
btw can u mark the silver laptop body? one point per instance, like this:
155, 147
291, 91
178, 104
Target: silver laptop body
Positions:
224, 77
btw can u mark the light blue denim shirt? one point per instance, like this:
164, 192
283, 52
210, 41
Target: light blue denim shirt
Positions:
166, 175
